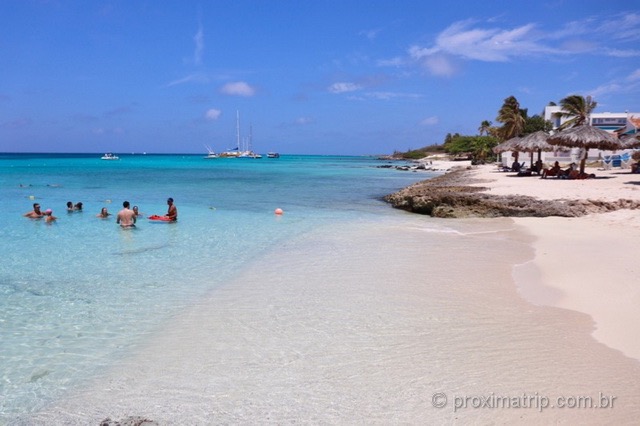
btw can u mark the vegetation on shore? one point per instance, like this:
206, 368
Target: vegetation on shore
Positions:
514, 122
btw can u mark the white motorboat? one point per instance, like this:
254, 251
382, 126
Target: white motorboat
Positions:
109, 156
211, 154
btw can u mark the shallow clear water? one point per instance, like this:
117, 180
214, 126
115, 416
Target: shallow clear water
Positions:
78, 294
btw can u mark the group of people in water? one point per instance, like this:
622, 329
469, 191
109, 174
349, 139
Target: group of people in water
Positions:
126, 217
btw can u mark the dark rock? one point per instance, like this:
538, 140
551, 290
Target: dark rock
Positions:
129, 421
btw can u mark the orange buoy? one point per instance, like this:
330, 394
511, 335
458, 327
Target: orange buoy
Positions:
278, 211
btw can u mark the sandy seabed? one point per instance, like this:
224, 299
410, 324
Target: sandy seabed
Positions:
411, 320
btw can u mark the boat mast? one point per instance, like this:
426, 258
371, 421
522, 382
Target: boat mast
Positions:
238, 128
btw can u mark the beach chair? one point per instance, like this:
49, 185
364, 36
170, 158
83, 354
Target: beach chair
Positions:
625, 160
607, 162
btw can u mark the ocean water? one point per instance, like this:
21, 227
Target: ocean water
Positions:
79, 294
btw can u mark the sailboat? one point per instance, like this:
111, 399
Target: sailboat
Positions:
248, 153
234, 152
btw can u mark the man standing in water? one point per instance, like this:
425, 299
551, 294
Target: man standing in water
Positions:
126, 218
35, 213
172, 213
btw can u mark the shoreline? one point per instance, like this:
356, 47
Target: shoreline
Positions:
584, 261
588, 265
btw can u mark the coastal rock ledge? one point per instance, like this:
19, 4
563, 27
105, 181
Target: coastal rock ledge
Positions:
450, 196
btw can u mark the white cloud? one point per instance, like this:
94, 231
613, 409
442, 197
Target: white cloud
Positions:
490, 44
430, 121
199, 41
392, 95
622, 53
344, 87
192, 78
624, 27
301, 121
370, 34
634, 75
212, 114
393, 62
417, 52
439, 65
238, 88
630, 84
607, 89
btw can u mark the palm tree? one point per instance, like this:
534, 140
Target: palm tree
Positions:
510, 115
577, 108
484, 127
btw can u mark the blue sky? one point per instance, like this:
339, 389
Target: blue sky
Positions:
310, 77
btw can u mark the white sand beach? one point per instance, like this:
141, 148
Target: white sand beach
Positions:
411, 320
587, 264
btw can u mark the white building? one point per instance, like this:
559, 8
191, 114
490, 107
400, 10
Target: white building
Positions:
614, 122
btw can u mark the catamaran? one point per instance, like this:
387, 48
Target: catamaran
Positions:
234, 152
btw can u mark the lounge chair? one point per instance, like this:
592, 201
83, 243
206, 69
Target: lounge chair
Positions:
607, 162
625, 160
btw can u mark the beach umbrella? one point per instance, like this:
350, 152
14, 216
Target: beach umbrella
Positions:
508, 145
586, 137
630, 141
537, 142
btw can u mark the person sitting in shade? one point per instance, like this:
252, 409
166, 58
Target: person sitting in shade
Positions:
537, 168
551, 171
635, 168
566, 174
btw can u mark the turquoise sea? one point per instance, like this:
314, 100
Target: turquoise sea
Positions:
80, 293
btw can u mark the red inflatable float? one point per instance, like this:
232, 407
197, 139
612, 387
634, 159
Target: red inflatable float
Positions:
156, 218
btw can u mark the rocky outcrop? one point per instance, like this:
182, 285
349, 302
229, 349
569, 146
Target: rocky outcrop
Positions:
450, 196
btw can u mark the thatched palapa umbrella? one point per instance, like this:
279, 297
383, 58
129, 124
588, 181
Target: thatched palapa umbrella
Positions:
537, 142
585, 137
630, 141
508, 145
